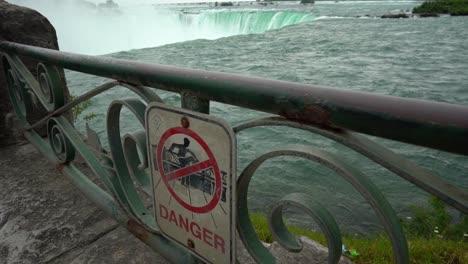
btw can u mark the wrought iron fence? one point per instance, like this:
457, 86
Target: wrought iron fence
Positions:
332, 113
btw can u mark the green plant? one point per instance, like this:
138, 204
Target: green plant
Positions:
452, 7
434, 221
80, 108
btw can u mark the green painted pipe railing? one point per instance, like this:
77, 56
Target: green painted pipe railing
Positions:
333, 113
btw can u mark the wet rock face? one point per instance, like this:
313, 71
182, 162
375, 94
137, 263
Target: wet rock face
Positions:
25, 26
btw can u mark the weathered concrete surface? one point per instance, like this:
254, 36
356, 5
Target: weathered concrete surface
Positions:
26, 26
117, 246
44, 219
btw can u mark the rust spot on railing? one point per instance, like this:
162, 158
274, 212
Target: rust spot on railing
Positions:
137, 230
311, 114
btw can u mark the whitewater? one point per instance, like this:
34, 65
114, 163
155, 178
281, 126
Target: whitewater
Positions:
343, 45
86, 28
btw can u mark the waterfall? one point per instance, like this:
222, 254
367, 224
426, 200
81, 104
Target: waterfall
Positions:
84, 27
226, 23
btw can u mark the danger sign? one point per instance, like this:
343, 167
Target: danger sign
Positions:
193, 169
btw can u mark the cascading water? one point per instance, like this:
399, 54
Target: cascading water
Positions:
227, 22
86, 28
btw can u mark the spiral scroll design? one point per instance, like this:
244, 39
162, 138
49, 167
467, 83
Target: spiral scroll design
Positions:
60, 144
368, 190
135, 145
314, 209
19, 95
63, 140
13, 82
51, 89
126, 160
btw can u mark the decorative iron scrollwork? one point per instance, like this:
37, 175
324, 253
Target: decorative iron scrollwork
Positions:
51, 92
359, 181
59, 143
125, 160
314, 209
123, 169
19, 96
125, 166
363, 185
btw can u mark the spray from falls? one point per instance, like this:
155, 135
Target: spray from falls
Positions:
84, 27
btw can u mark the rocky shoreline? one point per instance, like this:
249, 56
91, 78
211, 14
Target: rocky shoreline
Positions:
409, 15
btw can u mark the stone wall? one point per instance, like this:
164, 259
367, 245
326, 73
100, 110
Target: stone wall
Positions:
25, 26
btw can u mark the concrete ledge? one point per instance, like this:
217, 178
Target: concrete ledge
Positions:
44, 219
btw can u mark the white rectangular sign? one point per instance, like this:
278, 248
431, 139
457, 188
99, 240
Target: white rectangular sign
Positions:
193, 162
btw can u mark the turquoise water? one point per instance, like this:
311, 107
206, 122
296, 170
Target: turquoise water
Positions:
330, 44
245, 22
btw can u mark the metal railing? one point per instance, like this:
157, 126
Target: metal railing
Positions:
333, 113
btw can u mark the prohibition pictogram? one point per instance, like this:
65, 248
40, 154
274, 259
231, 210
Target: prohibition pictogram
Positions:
189, 169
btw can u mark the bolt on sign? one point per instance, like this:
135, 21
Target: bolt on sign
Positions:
193, 161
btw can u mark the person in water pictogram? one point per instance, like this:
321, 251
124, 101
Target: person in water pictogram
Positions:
183, 153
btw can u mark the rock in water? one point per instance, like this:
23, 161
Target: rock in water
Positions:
399, 15
226, 4
25, 26
428, 15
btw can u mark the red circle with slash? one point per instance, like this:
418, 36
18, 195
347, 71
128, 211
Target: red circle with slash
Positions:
187, 171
